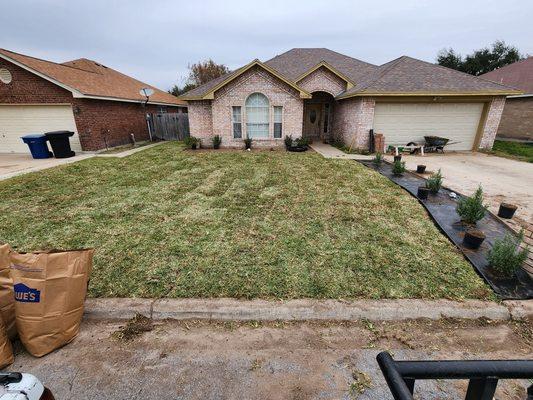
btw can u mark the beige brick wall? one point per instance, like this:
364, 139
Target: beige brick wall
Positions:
352, 121
236, 93
492, 122
517, 119
323, 80
200, 119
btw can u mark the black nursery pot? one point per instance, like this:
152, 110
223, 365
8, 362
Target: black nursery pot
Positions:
420, 169
473, 238
193, 146
398, 158
506, 210
422, 193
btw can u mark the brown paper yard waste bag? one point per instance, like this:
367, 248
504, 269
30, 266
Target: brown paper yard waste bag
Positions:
7, 298
6, 351
50, 289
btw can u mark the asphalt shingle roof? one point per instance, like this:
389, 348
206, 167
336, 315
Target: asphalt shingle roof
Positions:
93, 79
404, 75
518, 75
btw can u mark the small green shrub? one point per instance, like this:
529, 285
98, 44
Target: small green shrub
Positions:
248, 143
288, 141
303, 142
398, 167
378, 159
505, 256
471, 209
434, 182
217, 140
191, 142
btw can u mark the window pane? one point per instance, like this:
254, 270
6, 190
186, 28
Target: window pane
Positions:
237, 130
257, 116
277, 130
278, 112
236, 114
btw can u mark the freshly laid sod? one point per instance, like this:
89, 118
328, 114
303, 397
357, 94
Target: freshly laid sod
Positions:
169, 222
516, 150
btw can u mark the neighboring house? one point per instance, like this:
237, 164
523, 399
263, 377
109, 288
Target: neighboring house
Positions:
517, 118
324, 95
102, 106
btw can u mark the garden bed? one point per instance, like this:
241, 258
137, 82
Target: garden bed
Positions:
442, 209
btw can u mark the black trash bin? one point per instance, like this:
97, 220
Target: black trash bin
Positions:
59, 140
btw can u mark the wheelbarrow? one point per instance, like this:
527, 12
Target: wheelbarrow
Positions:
434, 144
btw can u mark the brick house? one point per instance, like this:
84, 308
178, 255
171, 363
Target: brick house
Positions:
324, 95
102, 106
517, 117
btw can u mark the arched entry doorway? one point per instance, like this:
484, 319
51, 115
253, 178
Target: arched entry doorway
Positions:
318, 112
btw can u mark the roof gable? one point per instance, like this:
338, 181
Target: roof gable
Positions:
207, 90
409, 76
296, 62
518, 74
88, 79
324, 64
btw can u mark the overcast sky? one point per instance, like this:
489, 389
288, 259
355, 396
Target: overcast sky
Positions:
154, 41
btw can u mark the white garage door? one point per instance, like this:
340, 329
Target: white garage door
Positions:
17, 121
402, 123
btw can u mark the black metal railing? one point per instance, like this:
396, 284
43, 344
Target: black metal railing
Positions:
483, 375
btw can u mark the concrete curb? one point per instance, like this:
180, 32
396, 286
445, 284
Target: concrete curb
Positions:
304, 309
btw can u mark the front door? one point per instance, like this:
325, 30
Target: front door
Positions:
312, 120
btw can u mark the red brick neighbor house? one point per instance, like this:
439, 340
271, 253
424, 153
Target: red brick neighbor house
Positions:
102, 106
324, 95
517, 118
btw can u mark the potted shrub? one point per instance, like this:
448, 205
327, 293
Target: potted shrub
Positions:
217, 140
471, 209
420, 169
473, 238
288, 141
248, 143
299, 145
378, 159
192, 142
506, 256
398, 158
434, 182
422, 192
506, 210
398, 168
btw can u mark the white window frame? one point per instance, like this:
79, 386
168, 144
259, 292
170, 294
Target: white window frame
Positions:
233, 122
280, 108
249, 110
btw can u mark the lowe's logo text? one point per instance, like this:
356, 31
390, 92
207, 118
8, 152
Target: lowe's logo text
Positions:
25, 294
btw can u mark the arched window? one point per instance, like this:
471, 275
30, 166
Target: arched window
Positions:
257, 116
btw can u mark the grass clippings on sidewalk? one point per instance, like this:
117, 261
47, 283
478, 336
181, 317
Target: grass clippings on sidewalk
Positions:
169, 222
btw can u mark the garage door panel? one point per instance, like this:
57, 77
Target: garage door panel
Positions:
17, 121
402, 123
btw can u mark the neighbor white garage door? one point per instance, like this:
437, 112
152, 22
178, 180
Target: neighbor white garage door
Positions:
17, 121
402, 123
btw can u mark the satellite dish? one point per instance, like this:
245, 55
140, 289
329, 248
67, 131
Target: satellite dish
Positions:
146, 92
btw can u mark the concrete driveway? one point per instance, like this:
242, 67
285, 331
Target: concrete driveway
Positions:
502, 179
14, 164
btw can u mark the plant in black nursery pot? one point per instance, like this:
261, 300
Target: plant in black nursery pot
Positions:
191, 142
434, 182
288, 141
248, 143
471, 209
398, 167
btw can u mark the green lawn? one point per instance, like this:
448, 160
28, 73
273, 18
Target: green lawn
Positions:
516, 150
271, 224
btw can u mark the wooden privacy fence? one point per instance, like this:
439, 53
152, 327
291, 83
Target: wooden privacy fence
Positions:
169, 126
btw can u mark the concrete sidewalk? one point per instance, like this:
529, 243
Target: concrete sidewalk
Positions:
200, 360
304, 309
328, 151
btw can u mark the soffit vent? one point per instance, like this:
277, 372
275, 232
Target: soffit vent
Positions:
5, 76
